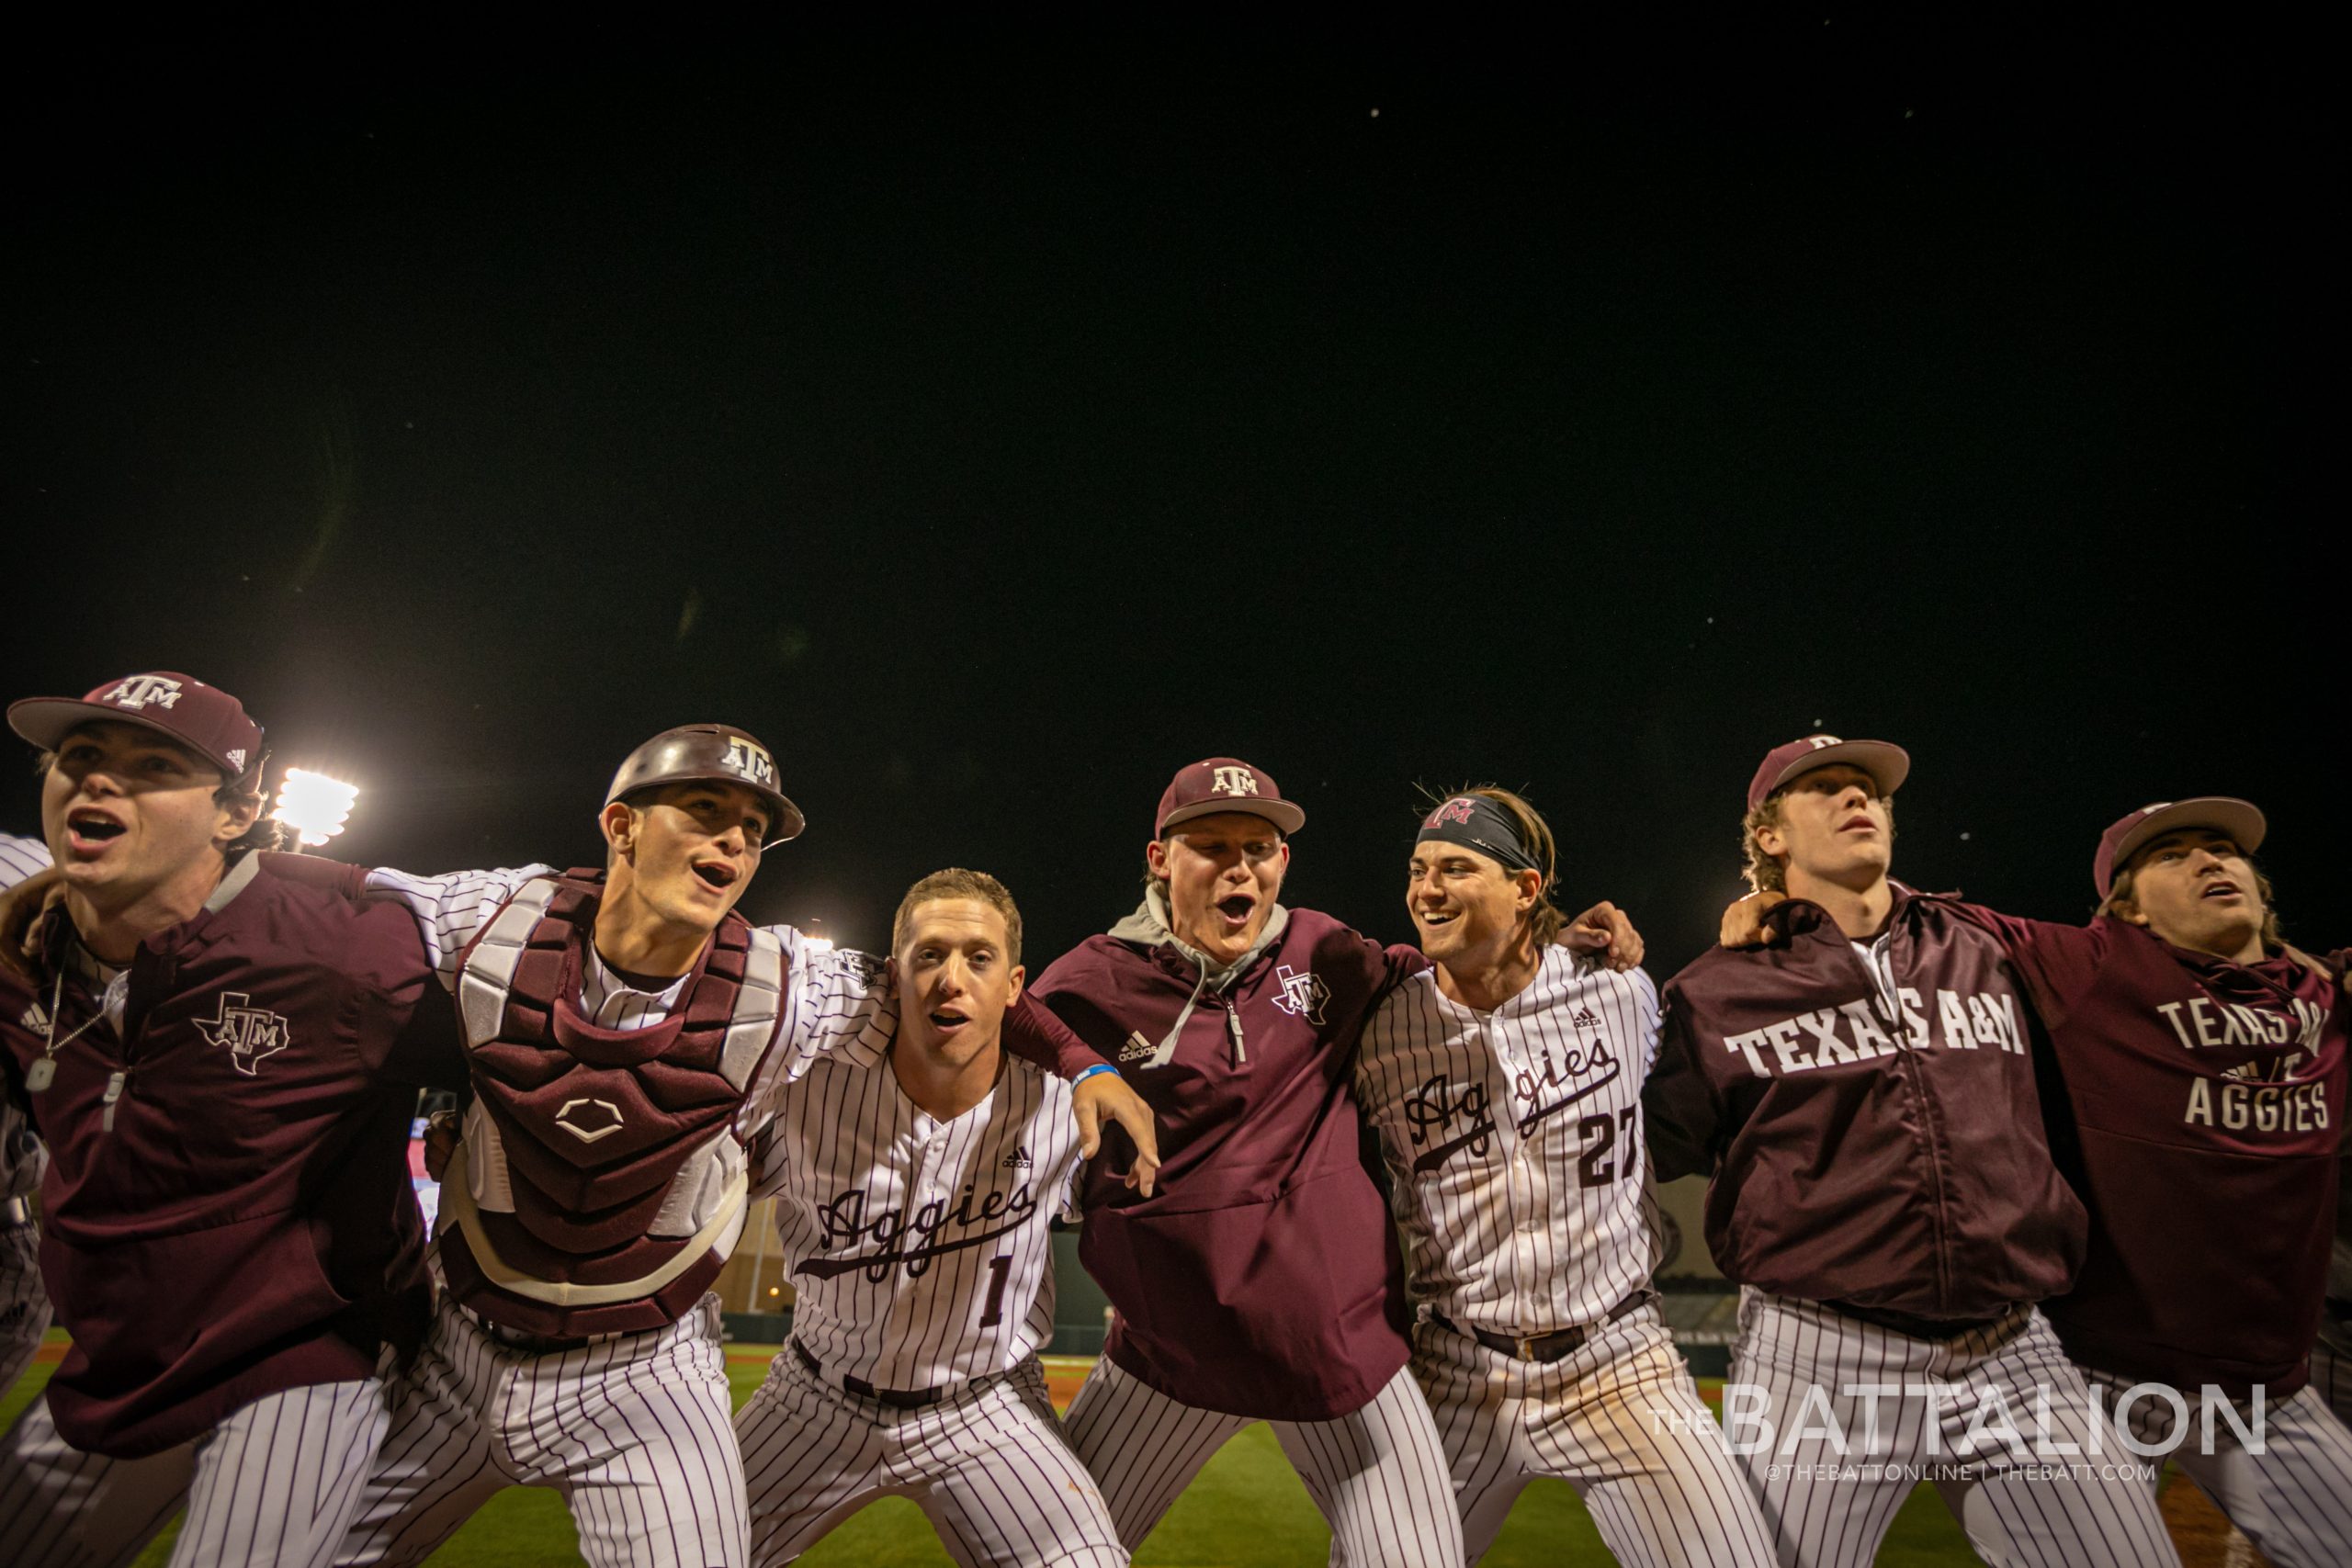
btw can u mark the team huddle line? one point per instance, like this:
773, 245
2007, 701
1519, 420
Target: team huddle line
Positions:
2045, 1176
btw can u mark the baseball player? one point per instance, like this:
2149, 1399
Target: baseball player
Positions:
623, 1027
2205, 1072
917, 1186
1862, 1092
24, 1304
1263, 1280
223, 1066
1506, 1083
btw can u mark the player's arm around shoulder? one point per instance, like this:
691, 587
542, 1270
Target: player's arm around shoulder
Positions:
450, 909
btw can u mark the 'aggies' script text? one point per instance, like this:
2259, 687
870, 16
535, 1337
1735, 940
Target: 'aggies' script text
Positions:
1827, 1037
845, 1219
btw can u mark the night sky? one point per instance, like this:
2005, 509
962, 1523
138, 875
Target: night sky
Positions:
994, 423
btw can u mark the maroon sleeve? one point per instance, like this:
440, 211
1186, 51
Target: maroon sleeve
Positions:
1680, 1110
1033, 1034
414, 1036
2058, 963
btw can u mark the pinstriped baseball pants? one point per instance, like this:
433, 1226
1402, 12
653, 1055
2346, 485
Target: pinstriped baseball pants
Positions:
24, 1304
1378, 1474
2294, 1499
1843, 1448
272, 1486
2332, 1377
635, 1431
1619, 1419
991, 1470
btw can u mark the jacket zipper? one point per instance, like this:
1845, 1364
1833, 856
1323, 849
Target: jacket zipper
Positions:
1233, 1027
1890, 994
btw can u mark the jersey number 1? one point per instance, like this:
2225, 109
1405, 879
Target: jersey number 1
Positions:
999, 1267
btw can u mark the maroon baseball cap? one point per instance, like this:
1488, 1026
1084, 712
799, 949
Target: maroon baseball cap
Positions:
1224, 783
205, 720
1887, 764
2221, 813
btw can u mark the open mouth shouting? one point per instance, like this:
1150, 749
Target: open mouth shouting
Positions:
716, 874
1233, 910
947, 1021
88, 830
2223, 890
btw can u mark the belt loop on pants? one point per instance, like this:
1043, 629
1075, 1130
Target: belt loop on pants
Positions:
1546, 1347
897, 1398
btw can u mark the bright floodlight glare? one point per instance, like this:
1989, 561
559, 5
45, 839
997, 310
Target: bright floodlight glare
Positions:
313, 805
818, 943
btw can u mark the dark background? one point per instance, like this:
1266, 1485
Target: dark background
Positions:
995, 420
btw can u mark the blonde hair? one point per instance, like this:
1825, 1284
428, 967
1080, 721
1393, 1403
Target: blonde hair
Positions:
1546, 918
2122, 905
957, 883
1764, 874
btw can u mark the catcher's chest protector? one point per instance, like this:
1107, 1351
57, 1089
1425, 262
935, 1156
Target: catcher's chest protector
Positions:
602, 1184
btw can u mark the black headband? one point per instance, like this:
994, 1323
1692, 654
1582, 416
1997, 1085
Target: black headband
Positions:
1476, 823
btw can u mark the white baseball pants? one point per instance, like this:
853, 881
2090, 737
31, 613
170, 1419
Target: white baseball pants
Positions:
2294, 1499
1853, 1416
1378, 1474
1618, 1418
634, 1430
991, 1470
272, 1486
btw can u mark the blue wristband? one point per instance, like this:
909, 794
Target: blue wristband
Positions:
1097, 1067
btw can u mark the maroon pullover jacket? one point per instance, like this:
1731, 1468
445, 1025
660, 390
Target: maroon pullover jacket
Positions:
1885, 1154
1262, 1278
247, 1223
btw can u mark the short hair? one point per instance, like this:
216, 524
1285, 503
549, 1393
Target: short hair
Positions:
958, 883
1546, 918
1764, 874
2122, 905
266, 833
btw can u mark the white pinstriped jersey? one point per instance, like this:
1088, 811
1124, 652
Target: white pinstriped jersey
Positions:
1514, 1146
921, 1251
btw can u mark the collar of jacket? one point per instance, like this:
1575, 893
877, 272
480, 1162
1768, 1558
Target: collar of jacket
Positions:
1148, 928
1793, 918
62, 943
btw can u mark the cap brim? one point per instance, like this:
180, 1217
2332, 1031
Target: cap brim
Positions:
47, 721
1885, 761
1281, 813
2222, 813
788, 823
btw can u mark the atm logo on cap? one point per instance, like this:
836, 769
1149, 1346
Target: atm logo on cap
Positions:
751, 759
1234, 780
1818, 742
1454, 810
143, 691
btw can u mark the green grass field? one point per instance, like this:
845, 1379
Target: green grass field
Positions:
1246, 1510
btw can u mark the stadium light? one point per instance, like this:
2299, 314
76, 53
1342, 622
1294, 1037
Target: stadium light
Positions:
313, 805
817, 943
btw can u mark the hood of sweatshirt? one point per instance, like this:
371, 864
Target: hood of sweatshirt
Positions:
1147, 927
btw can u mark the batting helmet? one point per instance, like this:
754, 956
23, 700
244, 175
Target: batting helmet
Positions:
709, 753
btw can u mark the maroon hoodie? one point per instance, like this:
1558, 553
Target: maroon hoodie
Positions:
247, 1223
1884, 1154
1262, 1278
2203, 1117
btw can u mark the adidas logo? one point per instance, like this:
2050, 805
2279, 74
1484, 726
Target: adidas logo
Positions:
1137, 1049
2248, 1071
35, 1017
1583, 1019
1017, 1160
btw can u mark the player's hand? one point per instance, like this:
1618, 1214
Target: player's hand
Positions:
1107, 1094
440, 1143
1744, 922
1604, 928
21, 908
